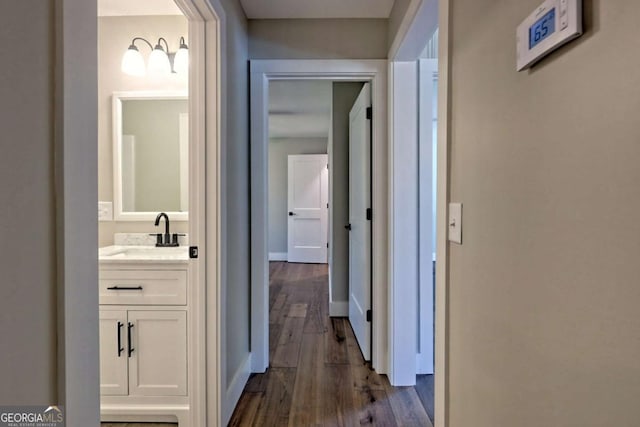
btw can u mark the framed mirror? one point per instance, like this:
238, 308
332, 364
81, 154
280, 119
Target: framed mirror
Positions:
150, 155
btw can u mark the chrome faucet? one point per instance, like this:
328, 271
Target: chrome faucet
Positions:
167, 239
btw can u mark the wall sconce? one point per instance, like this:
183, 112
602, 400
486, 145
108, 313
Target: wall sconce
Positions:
159, 59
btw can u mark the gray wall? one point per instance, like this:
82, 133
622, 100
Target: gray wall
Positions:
398, 12
279, 150
318, 38
27, 216
543, 322
114, 36
235, 197
344, 95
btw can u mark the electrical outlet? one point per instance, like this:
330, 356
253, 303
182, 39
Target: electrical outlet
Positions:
105, 211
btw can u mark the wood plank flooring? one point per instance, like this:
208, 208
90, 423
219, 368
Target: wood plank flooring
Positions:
317, 376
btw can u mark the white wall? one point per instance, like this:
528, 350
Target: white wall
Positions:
28, 214
543, 293
279, 150
114, 37
318, 38
344, 95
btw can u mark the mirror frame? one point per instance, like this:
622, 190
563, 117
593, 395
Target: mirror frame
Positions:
118, 97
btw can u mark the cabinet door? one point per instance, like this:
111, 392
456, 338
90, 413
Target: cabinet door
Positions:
158, 364
113, 353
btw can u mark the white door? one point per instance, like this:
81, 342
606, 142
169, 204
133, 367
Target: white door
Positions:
308, 190
158, 364
113, 353
359, 225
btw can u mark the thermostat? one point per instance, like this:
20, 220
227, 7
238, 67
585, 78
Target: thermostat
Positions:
552, 24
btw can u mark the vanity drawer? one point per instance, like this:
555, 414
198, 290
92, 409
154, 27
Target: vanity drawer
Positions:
143, 287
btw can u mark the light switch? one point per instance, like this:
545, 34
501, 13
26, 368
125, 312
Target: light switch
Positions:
455, 222
105, 211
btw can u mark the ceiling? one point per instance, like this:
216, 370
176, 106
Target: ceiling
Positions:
137, 7
261, 9
299, 109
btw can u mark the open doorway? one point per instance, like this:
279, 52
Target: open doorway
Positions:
319, 199
156, 90
143, 188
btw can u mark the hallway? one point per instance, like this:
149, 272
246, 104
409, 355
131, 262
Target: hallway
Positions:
317, 375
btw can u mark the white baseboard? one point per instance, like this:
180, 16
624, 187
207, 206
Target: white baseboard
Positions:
278, 256
234, 391
339, 308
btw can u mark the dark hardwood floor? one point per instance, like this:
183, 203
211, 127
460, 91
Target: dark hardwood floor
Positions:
317, 376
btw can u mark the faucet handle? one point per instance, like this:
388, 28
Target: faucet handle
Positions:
158, 238
174, 239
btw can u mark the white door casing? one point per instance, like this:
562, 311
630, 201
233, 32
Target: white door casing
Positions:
261, 73
359, 226
307, 194
427, 80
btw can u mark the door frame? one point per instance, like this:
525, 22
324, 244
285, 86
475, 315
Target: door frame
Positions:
206, 25
441, 383
261, 72
424, 16
75, 123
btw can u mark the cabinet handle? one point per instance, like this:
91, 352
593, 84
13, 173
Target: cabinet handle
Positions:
129, 328
120, 348
125, 288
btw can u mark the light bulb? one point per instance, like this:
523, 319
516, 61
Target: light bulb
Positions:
181, 59
159, 62
132, 62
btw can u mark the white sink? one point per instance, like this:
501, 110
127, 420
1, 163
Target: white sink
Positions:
143, 253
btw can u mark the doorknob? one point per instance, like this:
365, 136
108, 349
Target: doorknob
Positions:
348, 227
292, 213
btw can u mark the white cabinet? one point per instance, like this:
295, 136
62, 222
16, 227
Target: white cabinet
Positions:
146, 345
143, 352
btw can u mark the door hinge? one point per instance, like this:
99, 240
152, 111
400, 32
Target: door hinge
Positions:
193, 252
369, 113
369, 214
327, 166
368, 315
327, 205
327, 245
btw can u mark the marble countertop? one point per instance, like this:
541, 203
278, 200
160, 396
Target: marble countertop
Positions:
143, 254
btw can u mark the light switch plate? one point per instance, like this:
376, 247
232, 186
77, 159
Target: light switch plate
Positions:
455, 222
105, 211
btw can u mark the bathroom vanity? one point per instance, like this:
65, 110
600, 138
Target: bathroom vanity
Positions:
145, 344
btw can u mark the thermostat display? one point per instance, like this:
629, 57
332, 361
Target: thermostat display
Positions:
552, 24
543, 28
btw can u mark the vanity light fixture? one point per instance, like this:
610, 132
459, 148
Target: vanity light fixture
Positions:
159, 59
